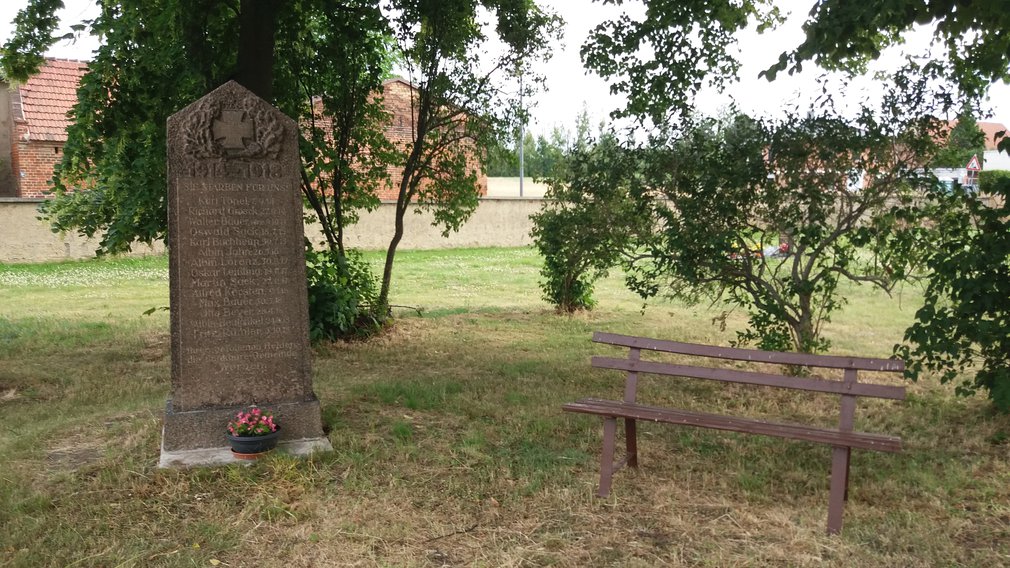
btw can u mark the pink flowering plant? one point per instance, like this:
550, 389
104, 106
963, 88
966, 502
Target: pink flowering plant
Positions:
253, 422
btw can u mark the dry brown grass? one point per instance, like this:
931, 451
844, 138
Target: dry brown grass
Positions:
450, 450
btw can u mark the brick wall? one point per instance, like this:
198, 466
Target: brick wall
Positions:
396, 94
396, 97
32, 164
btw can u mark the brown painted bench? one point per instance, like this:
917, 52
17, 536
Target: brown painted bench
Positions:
842, 439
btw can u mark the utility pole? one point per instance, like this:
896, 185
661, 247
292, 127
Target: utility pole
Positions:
522, 132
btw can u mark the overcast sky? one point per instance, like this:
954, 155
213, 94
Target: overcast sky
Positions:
569, 86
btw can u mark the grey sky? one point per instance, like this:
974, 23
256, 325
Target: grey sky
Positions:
569, 86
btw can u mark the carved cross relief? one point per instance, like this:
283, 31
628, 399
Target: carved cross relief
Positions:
232, 129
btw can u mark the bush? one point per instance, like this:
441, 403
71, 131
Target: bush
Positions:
342, 296
960, 332
587, 223
989, 181
567, 275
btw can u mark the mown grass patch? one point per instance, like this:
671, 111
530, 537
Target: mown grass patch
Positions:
450, 447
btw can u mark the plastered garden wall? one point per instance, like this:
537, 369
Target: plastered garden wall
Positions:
497, 222
23, 238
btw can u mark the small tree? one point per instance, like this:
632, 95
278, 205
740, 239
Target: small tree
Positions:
338, 57
964, 140
588, 222
771, 217
458, 101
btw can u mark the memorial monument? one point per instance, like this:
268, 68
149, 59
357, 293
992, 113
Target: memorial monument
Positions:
239, 308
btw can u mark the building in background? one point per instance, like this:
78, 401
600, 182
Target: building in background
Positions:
991, 159
33, 127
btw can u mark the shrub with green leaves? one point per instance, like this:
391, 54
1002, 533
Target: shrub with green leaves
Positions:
587, 222
769, 217
342, 296
990, 182
961, 331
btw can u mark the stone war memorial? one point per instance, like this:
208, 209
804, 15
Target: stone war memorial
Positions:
239, 308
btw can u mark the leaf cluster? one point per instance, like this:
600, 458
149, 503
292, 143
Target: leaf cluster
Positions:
771, 216
337, 58
155, 60
342, 296
661, 61
964, 140
960, 332
590, 219
841, 34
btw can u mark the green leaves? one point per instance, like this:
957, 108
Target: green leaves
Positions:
156, 58
590, 219
960, 333
767, 216
842, 34
342, 296
964, 140
33, 35
660, 62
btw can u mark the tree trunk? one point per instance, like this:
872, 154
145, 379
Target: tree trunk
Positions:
338, 208
803, 330
387, 269
257, 23
407, 186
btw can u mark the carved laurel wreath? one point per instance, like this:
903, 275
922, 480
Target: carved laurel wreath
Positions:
198, 134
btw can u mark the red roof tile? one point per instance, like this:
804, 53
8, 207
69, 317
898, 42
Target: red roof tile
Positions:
47, 97
990, 129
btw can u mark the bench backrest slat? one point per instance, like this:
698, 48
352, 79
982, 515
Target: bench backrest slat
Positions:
755, 355
753, 378
631, 382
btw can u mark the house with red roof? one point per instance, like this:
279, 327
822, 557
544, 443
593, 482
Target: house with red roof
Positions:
993, 159
33, 121
33, 128
990, 159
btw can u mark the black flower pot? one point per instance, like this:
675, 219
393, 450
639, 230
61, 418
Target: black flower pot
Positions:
252, 445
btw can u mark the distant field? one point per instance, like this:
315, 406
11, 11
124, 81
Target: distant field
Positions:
450, 448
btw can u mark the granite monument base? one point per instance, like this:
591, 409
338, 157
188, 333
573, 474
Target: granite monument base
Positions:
197, 437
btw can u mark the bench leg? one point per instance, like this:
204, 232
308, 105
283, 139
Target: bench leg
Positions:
848, 462
607, 457
839, 483
631, 440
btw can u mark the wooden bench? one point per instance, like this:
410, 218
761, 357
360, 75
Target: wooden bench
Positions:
842, 439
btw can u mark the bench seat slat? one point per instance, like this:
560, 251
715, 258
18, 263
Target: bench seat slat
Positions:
751, 377
745, 425
756, 355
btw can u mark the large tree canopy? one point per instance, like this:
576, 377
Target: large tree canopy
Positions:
656, 62
847, 34
156, 57
661, 61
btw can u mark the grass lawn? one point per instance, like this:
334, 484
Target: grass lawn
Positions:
450, 448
